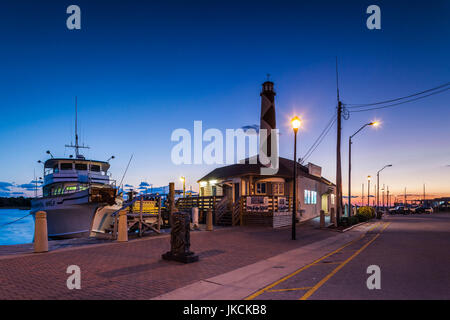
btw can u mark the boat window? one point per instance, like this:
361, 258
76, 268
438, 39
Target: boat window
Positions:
70, 189
95, 168
66, 166
81, 166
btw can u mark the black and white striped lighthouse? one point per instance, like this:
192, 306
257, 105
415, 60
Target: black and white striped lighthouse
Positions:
268, 117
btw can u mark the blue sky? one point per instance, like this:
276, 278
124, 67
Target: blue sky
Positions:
142, 69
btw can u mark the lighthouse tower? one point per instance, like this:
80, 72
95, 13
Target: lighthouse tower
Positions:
268, 118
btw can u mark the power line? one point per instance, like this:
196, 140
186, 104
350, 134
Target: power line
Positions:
399, 103
11, 222
397, 99
320, 138
320, 135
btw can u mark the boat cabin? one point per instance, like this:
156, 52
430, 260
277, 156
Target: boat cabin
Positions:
67, 175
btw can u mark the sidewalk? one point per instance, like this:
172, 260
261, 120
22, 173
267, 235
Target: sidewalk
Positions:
135, 270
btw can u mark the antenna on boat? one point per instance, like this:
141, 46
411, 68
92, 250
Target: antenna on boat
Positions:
126, 169
77, 146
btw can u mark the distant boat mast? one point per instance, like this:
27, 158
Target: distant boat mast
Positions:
77, 146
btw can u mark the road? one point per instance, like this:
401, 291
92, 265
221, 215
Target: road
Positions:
412, 253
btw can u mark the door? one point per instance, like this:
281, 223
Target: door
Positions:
237, 193
325, 203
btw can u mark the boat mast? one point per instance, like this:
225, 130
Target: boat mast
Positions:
76, 146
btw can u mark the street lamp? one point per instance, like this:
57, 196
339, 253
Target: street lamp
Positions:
374, 123
368, 190
378, 184
295, 122
184, 186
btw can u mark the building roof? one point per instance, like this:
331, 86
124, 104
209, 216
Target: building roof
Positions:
286, 168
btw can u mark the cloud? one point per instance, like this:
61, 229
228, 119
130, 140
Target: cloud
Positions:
28, 186
17, 193
5, 186
254, 129
4, 194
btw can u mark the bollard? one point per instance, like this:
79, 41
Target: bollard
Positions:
322, 219
40, 232
209, 221
333, 217
123, 227
195, 217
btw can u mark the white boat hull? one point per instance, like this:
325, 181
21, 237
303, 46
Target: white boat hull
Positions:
73, 215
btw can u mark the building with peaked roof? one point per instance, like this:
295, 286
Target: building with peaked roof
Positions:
233, 182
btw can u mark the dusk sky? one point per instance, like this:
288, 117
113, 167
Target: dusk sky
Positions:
142, 69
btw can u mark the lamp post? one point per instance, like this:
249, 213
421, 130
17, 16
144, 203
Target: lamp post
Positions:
295, 122
368, 190
184, 186
378, 184
350, 165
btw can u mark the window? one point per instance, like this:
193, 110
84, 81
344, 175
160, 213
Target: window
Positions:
261, 188
81, 166
310, 197
278, 188
332, 198
55, 168
66, 166
95, 168
70, 189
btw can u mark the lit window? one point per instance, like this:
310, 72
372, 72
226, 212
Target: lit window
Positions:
278, 188
310, 197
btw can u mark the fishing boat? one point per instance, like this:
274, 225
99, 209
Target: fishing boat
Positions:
78, 195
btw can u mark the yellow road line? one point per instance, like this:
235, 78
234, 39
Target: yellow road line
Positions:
261, 291
290, 289
332, 273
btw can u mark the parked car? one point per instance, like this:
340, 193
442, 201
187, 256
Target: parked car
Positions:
424, 209
397, 210
414, 209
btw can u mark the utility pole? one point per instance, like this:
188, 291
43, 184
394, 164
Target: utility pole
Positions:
424, 194
362, 195
338, 154
405, 196
388, 199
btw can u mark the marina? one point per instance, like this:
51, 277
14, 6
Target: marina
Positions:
210, 150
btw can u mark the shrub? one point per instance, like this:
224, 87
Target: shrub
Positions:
367, 212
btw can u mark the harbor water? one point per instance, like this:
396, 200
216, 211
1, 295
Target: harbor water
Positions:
20, 231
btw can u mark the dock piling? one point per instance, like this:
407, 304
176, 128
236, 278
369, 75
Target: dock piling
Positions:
209, 220
40, 232
123, 227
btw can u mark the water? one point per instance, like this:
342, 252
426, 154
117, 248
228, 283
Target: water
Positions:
18, 232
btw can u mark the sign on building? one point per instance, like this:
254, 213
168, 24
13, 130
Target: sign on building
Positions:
283, 205
257, 203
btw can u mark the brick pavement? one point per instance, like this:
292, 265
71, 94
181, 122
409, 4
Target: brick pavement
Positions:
135, 270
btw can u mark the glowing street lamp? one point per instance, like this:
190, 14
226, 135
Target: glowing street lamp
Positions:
373, 123
295, 122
